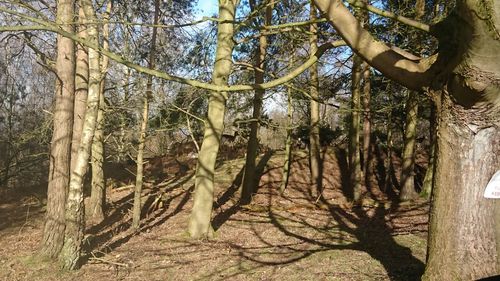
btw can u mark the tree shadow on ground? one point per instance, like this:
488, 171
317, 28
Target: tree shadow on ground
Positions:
224, 215
115, 229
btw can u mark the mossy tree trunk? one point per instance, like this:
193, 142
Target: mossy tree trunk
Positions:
407, 181
60, 148
199, 221
136, 213
249, 178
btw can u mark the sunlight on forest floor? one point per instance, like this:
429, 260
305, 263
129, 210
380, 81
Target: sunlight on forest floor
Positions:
297, 236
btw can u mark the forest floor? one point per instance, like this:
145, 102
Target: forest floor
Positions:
297, 236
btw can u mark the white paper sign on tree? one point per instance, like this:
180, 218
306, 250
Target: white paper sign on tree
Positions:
493, 188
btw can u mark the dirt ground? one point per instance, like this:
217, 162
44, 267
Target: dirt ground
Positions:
297, 236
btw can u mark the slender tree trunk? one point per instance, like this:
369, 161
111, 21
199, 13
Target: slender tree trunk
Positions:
354, 154
462, 233
366, 124
71, 252
249, 179
199, 222
314, 141
288, 144
98, 191
407, 170
60, 149
81, 88
429, 174
388, 161
136, 214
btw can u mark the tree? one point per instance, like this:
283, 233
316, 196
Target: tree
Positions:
463, 81
70, 255
199, 222
136, 215
249, 179
314, 141
60, 148
410, 135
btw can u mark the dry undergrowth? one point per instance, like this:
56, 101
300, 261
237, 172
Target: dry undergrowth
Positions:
298, 236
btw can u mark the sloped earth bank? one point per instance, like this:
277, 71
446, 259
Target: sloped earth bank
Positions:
298, 236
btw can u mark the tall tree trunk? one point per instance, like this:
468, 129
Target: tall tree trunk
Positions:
429, 174
98, 190
70, 255
314, 141
288, 144
354, 154
462, 242
60, 149
366, 124
388, 161
136, 213
249, 179
407, 170
81, 88
199, 222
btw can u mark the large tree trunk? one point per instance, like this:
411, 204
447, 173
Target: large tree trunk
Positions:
249, 179
60, 149
98, 191
354, 153
199, 222
71, 252
136, 214
410, 134
462, 228
314, 141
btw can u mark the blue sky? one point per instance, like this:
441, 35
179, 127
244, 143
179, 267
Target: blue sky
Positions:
207, 7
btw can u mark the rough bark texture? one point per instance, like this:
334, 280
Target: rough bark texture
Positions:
136, 213
60, 149
71, 252
410, 134
462, 242
249, 178
314, 142
199, 222
354, 149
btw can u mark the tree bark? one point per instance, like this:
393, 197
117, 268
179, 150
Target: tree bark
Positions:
462, 242
288, 143
199, 222
314, 141
136, 213
249, 178
60, 149
429, 174
70, 256
410, 134
354, 149
98, 189
81, 88
388, 161
366, 124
